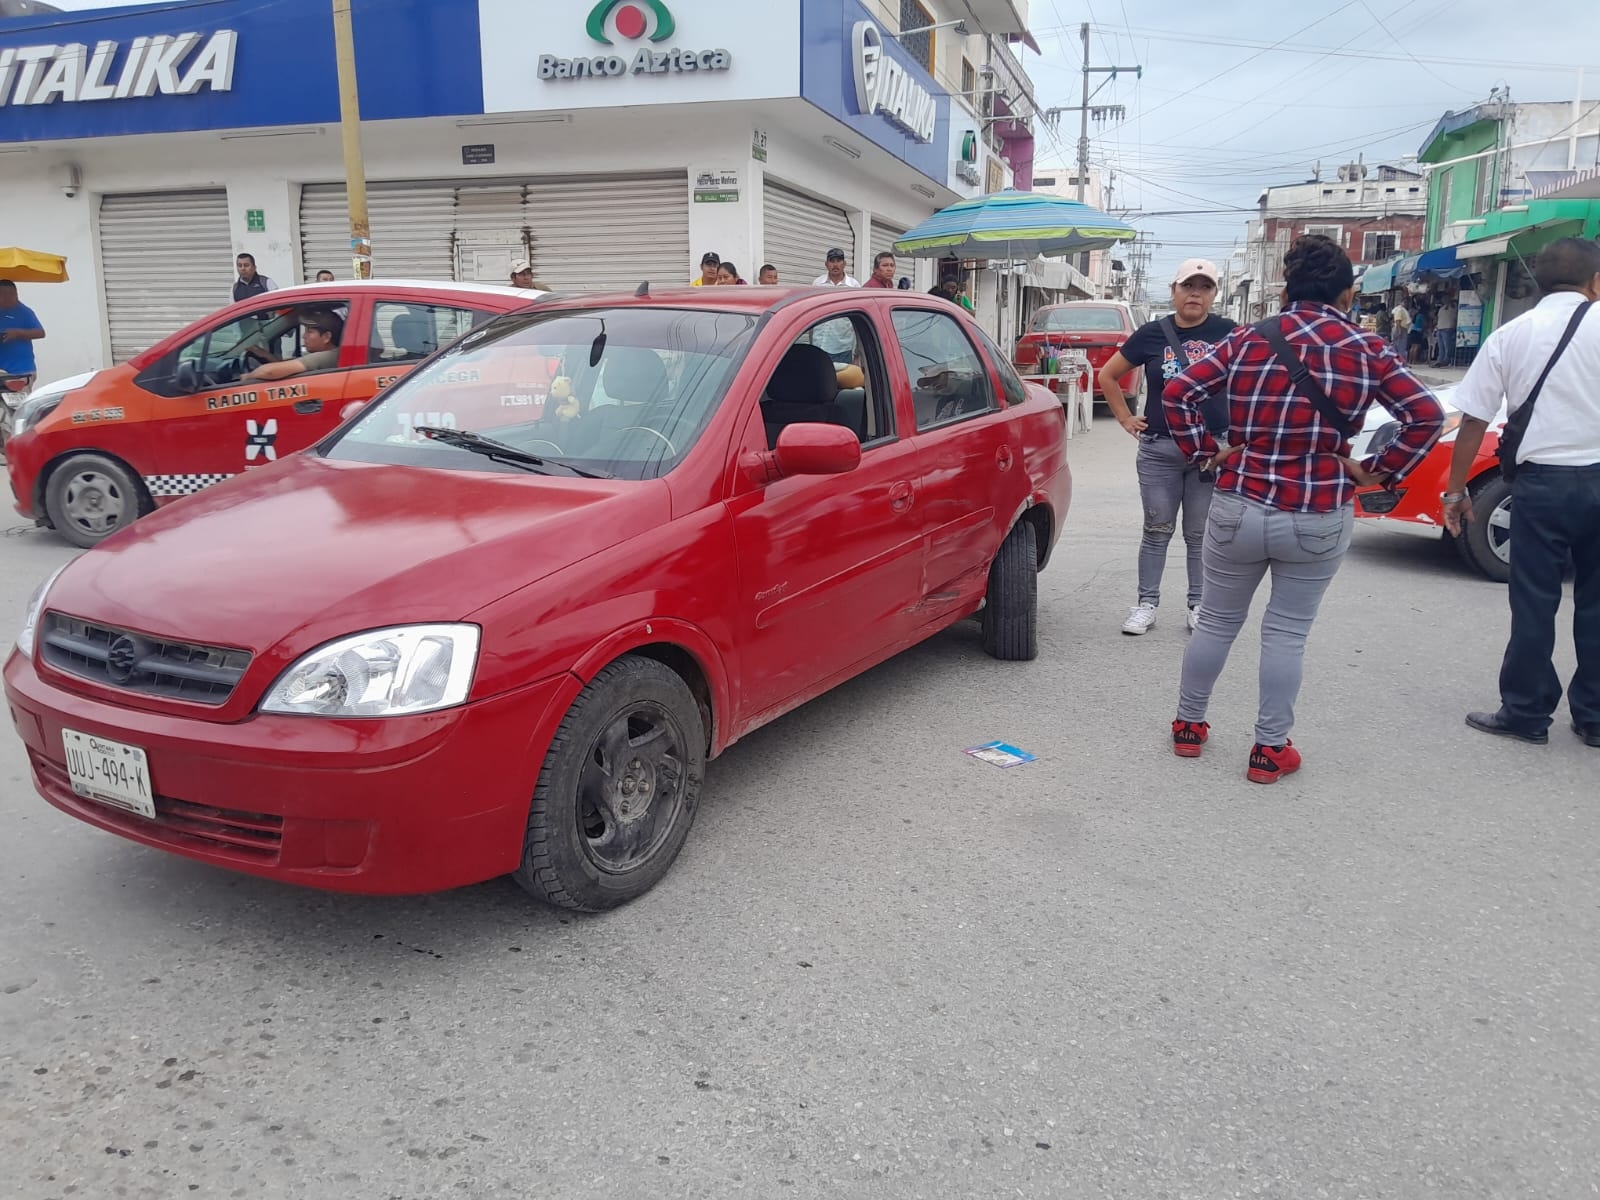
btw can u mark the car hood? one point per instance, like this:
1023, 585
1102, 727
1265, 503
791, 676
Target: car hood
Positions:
311, 549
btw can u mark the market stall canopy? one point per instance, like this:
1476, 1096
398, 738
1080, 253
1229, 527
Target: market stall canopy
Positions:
1013, 224
1442, 263
31, 266
1379, 277
1487, 248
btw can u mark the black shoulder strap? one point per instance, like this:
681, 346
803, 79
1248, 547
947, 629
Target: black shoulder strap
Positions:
1524, 412
1305, 383
1170, 328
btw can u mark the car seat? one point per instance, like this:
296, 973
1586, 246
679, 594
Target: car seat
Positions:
413, 334
804, 387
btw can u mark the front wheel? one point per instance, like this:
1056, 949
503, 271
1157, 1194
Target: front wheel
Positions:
1011, 612
618, 790
90, 497
1486, 542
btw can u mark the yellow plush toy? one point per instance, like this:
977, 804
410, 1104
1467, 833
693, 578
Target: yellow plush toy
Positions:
561, 396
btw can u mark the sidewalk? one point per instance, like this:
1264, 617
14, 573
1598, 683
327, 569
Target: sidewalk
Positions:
1440, 376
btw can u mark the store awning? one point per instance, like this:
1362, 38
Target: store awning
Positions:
1440, 264
1379, 277
1405, 270
1487, 248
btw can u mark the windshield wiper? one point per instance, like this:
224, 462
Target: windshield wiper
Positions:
501, 451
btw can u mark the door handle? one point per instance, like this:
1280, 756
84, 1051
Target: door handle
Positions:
307, 407
900, 496
1002, 458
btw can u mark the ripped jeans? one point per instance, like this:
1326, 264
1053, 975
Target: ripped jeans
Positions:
1168, 483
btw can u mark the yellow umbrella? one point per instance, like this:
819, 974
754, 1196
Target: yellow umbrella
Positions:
31, 266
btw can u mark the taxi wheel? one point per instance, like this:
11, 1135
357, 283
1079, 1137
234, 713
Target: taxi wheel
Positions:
618, 790
1011, 609
1486, 541
90, 497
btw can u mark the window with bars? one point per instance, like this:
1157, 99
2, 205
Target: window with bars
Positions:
918, 45
1334, 233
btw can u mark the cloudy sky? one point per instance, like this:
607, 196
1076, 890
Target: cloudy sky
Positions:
1239, 94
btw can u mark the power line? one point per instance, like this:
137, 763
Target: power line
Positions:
1340, 51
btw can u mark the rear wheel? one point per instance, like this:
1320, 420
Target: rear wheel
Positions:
90, 497
618, 790
1486, 541
1011, 613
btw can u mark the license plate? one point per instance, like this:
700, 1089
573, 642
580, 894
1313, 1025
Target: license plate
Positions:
111, 772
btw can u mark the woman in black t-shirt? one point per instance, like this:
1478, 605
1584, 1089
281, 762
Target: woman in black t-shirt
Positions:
1168, 483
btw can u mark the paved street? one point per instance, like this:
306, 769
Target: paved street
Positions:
882, 968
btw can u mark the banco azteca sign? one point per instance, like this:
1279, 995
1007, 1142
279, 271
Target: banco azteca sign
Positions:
612, 21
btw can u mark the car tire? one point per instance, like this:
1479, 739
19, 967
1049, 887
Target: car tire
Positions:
1486, 541
1011, 611
89, 497
634, 731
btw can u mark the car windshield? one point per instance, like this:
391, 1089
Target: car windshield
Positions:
621, 392
1072, 319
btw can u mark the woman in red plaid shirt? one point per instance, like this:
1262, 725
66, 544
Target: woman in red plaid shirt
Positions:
1284, 494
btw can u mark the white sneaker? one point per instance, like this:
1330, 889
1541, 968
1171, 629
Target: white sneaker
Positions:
1141, 619
1194, 617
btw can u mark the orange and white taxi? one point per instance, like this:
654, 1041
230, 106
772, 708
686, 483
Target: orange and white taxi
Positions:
243, 387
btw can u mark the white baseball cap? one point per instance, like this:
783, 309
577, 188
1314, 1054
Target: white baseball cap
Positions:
1197, 266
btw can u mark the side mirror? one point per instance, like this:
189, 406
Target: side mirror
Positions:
808, 448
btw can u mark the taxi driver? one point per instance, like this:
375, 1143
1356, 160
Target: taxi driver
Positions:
320, 332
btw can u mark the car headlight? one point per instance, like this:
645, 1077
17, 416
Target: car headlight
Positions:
384, 673
30, 620
33, 410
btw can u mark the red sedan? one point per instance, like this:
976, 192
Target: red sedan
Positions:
1096, 327
479, 630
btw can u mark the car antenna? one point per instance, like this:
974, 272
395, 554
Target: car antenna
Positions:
643, 289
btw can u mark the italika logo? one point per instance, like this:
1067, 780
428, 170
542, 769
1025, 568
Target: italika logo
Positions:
612, 21
630, 20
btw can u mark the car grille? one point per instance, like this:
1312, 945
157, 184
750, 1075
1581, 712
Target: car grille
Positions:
255, 836
153, 666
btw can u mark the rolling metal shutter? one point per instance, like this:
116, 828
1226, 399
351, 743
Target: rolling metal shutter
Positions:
413, 226
798, 231
166, 259
609, 233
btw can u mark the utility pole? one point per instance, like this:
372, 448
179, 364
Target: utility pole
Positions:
355, 175
1113, 111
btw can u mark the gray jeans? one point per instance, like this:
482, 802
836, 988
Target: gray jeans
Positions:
1244, 540
1168, 483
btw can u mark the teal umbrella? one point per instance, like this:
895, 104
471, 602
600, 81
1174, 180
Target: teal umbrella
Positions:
1012, 224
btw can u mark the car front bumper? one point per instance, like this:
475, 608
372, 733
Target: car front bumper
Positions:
402, 805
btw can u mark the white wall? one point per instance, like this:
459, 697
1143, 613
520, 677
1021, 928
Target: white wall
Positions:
267, 173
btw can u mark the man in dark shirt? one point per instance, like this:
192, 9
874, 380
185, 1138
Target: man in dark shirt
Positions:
1168, 482
250, 282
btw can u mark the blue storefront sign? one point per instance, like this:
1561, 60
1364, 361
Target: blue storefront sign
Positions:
230, 64
857, 73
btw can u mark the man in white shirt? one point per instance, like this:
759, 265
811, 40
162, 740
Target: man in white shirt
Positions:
835, 276
1444, 334
1555, 510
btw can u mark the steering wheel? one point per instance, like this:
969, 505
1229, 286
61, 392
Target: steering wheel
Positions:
544, 442
655, 433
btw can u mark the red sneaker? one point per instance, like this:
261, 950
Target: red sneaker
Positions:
1268, 764
1188, 737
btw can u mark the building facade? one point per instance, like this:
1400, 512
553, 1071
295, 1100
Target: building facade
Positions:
1374, 212
608, 142
1504, 180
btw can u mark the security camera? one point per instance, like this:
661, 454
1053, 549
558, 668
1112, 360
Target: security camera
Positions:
69, 190
71, 177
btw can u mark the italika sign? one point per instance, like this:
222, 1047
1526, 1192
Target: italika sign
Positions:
166, 64
886, 88
613, 21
